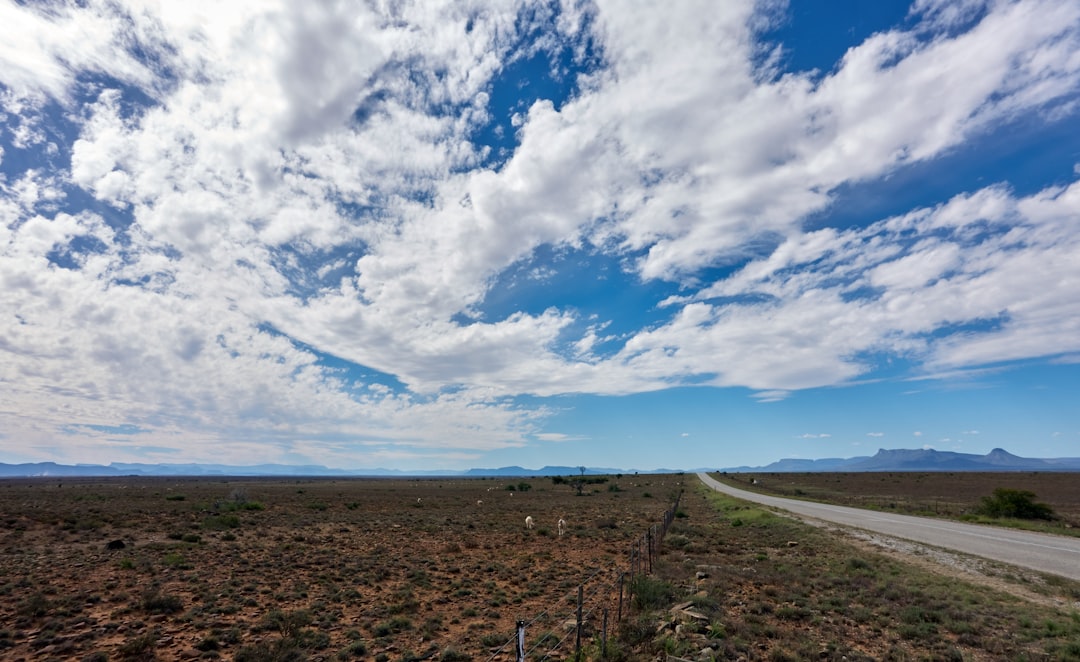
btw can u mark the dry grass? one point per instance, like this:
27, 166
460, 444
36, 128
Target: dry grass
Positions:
955, 495
360, 569
288, 569
773, 588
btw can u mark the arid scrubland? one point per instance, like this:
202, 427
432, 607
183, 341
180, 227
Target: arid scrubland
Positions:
388, 570
253, 568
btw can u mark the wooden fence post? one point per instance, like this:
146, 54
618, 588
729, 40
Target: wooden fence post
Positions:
622, 576
603, 633
649, 538
580, 595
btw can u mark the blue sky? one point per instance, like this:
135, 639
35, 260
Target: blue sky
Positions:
442, 235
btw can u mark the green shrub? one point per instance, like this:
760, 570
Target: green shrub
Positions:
154, 602
176, 560
140, 647
221, 522
452, 655
1018, 504
356, 649
651, 593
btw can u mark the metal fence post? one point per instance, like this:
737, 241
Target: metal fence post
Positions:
521, 641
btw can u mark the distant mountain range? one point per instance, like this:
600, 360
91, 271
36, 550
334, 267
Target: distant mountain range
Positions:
921, 459
884, 460
282, 470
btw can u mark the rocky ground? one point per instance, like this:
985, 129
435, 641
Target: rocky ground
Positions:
407, 570
353, 569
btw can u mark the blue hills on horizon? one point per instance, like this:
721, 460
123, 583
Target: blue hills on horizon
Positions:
53, 469
921, 459
885, 460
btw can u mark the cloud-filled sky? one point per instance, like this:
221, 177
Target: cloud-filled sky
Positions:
438, 235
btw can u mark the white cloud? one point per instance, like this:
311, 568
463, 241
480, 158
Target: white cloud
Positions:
558, 437
928, 270
771, 396
307, 172
875, 434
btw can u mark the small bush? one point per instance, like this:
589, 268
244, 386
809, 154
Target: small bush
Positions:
35, 605
288, 623
452, 655
355, 649
393, 626
209, 643
651, 593
1018, 504
221, 522
154, 602
140, 648
176, 560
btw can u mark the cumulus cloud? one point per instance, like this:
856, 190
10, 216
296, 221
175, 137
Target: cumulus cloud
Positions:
286, 195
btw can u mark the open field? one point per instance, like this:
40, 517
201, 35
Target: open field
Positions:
264, 569
939, 494
399, 569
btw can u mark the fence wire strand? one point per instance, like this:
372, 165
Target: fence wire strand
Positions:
642, 551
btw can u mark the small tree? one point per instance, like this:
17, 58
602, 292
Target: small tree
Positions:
1014, 503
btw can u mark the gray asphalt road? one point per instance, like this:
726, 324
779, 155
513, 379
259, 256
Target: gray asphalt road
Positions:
1058, 555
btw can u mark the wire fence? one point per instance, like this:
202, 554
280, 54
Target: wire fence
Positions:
603, 599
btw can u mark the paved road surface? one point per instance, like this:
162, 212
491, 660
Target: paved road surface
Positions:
1058, 555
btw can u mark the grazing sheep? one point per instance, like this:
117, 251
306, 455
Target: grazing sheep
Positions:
529, 522
562, 526
479, 502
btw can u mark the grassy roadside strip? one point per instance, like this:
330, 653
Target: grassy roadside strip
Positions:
956, 510
738, 581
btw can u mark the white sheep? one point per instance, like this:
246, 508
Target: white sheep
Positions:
529, 522
562, 526
479, 502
